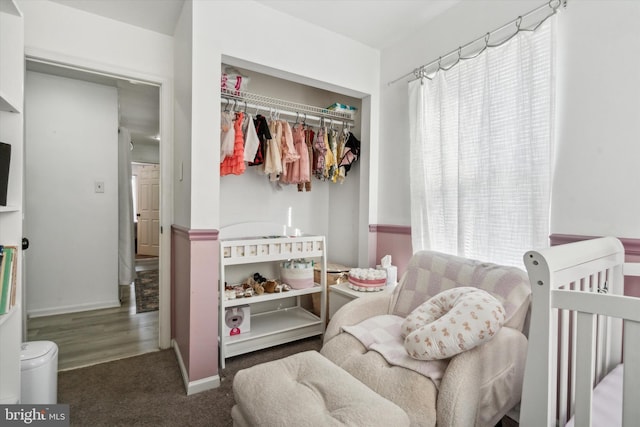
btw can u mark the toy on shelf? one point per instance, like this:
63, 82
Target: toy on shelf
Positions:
254, 285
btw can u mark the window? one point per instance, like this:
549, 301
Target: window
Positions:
481, 152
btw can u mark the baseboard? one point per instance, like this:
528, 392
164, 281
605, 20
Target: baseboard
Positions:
197, 386
41, 312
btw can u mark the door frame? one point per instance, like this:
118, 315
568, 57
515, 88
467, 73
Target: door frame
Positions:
165, 86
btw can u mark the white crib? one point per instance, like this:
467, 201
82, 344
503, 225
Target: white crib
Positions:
578, 314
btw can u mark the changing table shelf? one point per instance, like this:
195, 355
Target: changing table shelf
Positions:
274, 328
270, 297
275, 318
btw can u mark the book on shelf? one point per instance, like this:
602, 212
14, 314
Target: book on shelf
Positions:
8, 272
5, 159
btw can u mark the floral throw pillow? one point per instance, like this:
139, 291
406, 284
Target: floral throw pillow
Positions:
451, 322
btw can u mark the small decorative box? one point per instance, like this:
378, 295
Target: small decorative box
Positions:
367, 279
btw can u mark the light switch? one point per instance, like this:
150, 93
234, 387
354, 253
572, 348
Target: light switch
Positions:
99, 186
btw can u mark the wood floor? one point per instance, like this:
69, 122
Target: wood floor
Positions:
98, 336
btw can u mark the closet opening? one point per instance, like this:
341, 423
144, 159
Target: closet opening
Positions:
331, 206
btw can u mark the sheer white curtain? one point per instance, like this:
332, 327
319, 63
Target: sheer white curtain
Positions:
481, 152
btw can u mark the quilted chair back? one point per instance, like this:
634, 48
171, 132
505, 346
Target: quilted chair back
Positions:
430, 273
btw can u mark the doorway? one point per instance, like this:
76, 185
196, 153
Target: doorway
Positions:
159, 335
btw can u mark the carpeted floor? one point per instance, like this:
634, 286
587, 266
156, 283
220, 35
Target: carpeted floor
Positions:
148, 390
146, 287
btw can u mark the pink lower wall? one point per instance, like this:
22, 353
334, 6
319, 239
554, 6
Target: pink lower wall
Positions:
632, 254
394, 240
180, 279
194, 310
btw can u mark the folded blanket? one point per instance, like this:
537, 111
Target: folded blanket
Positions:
382, 335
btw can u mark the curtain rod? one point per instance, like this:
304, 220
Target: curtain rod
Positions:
420, 71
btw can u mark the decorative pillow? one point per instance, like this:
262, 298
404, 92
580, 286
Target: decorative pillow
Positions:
451, 322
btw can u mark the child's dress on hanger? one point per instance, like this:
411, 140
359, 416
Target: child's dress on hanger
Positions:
298, 170
273, 160
227, 134
251, 140
234, 164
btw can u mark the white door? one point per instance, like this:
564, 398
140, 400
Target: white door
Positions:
148, 210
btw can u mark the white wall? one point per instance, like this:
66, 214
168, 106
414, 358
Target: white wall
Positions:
596, 190
72, 260
182, 116
597, 111
97, 42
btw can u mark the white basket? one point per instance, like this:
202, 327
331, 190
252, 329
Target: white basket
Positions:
297, 278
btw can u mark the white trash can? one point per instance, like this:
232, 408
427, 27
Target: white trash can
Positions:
39, 372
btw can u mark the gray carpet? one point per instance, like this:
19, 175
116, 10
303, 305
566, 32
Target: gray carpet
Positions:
148, 390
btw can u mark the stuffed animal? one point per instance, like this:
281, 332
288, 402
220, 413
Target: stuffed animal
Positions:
257, 287
270, 286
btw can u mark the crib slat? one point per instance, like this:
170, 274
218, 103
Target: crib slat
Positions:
602, 338
563, 368
631, 394
585, 360
616, 287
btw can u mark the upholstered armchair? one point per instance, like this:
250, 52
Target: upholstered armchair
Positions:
477, 387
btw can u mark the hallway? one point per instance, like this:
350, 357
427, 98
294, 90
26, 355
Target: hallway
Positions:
97, 336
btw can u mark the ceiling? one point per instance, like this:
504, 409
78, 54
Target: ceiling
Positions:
155, 15
375, 23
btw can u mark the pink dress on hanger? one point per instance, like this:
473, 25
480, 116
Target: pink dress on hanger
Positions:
234, 164
308, 140
298, 170
289, 153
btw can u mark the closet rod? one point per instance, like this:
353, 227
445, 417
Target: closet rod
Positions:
261, 102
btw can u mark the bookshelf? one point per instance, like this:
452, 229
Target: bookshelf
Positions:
11, 132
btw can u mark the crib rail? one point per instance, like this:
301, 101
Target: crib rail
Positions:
575, 337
